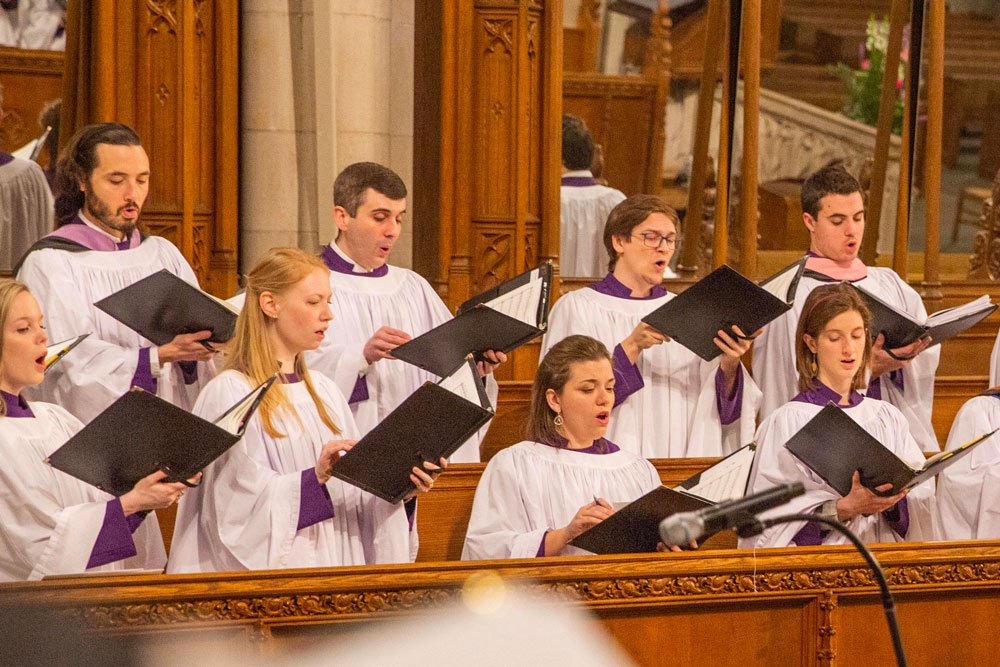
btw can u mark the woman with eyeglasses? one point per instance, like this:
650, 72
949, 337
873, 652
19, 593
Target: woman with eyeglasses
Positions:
668, 401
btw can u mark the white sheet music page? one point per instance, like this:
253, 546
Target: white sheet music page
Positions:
521, 303
727, 479
463, 383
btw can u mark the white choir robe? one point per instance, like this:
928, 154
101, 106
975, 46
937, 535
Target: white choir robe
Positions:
531, 488
583, 212
774, 465
675, 415
361, 305
774, 356
995, 363
101, 368
51, 520
969, 491
244, 513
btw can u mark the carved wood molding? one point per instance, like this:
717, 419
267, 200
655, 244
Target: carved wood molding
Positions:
31, 61
984, 264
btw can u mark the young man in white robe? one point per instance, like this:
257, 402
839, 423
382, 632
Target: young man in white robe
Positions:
54, 523
271, 501
669, 403
536, 496
584, 205
101, 184
834, 213
832, 357
968, 492
378, 306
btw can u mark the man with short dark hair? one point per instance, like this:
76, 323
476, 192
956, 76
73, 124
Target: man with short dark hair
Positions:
584, 204
377, 306
833, 210
102, 180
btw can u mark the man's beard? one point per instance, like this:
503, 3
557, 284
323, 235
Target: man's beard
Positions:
103, 213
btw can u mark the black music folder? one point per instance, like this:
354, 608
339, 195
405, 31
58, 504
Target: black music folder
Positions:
833, 445
635, 527
502, 318
720, 300
140, 433
162, 305
432, 423
901, 329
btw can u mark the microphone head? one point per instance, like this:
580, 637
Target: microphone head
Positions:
677, 530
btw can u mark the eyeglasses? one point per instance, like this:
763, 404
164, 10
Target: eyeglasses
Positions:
654, 239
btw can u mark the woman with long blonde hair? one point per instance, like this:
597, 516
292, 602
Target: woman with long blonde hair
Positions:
54, 523
270, 502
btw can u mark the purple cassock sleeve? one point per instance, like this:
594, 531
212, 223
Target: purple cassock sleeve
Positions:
360, 391
627, 377
541, 547
314, 501
898, 517
114, 542
875, 385
730, 406
143, 373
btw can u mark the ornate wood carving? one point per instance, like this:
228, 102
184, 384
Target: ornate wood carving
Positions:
162, 13
985, 261
30, 79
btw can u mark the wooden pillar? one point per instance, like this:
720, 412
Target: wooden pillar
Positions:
169, 70
897, 19
932, 162
751, 116
487, 129
715, 26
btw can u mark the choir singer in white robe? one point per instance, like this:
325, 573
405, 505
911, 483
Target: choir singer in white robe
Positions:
54, 523
834, 213
537, 495
102, 180
832, 357
669, 403
968, 492
270, 501
379, 306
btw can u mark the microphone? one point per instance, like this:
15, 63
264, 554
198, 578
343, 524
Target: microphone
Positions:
681, 528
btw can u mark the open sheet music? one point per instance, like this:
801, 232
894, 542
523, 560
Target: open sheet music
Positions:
635, 527
57, 351
900, 329
501, 318
141, 433
432, 423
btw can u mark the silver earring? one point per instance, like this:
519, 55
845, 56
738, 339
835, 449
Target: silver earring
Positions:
558, 420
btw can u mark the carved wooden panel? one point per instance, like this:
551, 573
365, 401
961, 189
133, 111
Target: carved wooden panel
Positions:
30, 79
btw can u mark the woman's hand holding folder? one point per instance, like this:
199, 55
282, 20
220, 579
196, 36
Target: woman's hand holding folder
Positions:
152, 493
863, 501
332, 450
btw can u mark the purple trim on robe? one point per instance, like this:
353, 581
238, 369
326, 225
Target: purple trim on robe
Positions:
577, 181
189, 371
135, 520
410, 506
5, 158
600, 446
16, 405
613, 287
541, 547
875, 384
898, 517
335, 262
289, 378
360, 392
77, 230
114, 542
730, 407
820, 394
811, 535
315, 504
628, 380
144, 373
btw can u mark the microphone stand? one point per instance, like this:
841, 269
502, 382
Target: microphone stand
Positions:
754, 526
